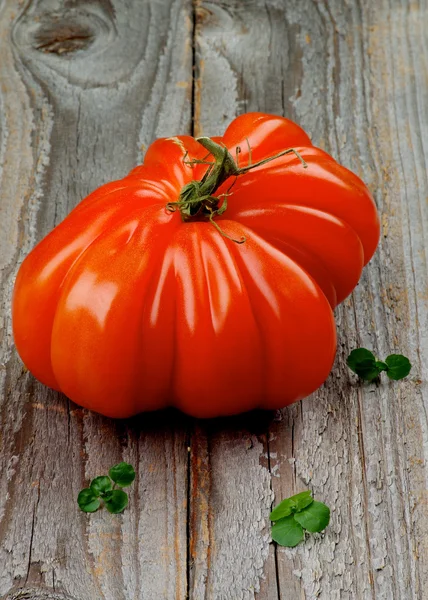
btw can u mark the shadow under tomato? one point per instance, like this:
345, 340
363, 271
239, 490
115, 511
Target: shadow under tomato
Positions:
255, 422
158, 423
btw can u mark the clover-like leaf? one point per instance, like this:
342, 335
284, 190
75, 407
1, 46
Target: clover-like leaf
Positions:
398, 366
116, 501
101, 485
314, 517
287, 532
283, 509
291, 505
122, 474
88, 501
363, 363
359, 355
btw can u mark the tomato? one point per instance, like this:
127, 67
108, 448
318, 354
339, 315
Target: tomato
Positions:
141, 298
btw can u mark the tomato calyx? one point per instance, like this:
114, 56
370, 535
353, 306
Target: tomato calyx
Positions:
197, 200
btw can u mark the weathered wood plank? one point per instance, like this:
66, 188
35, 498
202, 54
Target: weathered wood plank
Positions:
74, 84
230, 498
83, 86
354, 75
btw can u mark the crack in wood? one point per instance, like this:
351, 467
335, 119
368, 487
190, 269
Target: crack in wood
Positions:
277, 578
193, 108
188, 510
364, 480
30, 552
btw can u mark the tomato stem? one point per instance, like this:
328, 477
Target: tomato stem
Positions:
196, 198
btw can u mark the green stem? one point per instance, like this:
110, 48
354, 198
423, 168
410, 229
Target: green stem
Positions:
197, 197
223, 168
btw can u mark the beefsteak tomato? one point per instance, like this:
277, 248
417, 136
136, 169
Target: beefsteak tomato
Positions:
141, 299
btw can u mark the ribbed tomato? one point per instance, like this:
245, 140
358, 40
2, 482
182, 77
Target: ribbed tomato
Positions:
141, 299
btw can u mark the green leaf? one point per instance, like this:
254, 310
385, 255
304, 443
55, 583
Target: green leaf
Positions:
291, 505
363, 363
101, 485
287, 532
283, 509
117, 501
123, 474
398, 366
357, 356
381, 366
315, 517
302, 500
87, 501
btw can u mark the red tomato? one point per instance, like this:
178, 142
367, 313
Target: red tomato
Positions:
127, 307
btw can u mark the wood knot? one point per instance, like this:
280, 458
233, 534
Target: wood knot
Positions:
63, 33
35, 594
63, 38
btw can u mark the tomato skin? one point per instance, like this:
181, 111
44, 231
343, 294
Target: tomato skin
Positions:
126, 308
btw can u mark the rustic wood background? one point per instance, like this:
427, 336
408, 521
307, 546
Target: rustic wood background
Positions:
84, 87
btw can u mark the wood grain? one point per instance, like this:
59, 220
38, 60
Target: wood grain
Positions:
84, 88
35, 594
354, 75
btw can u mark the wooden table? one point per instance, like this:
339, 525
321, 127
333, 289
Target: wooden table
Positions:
85, 87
